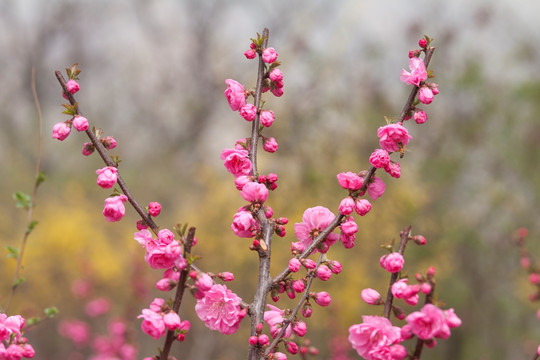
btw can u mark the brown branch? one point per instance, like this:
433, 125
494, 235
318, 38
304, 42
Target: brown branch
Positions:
179, 294
404, 237
103, 153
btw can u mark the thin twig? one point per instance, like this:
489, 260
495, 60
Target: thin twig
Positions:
32, 203
106, 159
179, 294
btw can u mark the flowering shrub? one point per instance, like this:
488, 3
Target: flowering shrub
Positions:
320, 229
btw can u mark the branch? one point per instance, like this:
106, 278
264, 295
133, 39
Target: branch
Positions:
179, 293
103, 153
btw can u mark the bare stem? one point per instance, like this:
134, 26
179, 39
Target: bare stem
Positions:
106, 159
37, 182
179, 293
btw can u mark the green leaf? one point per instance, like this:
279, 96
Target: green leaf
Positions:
22, 200
32, 321
13, 252
32, 225
192, 258
41, 178
51, 311
70, 109
18, 282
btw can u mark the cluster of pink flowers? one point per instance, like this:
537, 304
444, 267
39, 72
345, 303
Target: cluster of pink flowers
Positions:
13, 346
159, 318
162, 253
220, 309
376, 338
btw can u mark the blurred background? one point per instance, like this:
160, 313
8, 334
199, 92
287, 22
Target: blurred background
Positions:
153, 77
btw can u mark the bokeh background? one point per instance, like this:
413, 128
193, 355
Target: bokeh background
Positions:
153, 77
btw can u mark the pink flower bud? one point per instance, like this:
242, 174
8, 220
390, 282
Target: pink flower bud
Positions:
299, 328
204, 282
277, 92
430, 272
156, 305
348, 241
323, 298
346, 207
72, 86
393, 169
425, 288
398, 352
422, 43
253, 340
61, 131
308, 264
235, 94
534, 278
248, 112
307, 311
297, 247
392, 262
254, 192
226, 276
141, 225
294, 265
270, 145
264, 339
362, 206
350, 181
250, 54
371, 296
393, 136
267, 117
298, 286
406, 332
107, 177
109, 142
171, 320
292, 348
434, 88
452, 320
425, 95
269, 55
80, 123
279, 356
88, 149
165, 285
336, 266
323, 272
154, 208
276, 75
379, 158
114, 209
420, 117
349, 227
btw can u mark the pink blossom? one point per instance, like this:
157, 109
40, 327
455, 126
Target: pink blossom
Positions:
75, 330
160, 256
336, 266
427, 323
392, 262
242, 180
418, 72
452, 320
314, 221
376, 188
267, 117
362, 207
250, 54
298, 286
277, 92
143, 237
107, 177
371, 296
292, 348
426, 288
393, 169
322, 298
434, 88
165, 284
244, 225
97, 307
157, 304
374, 333
269, 55
399, 288
171, 320
236, 161
294, 265
248, 112
379, 158
220, 309
114, 209
279, 356
425, 95
346, 206
420, 116
348, 240
72, 86
10, 325
323, 272
165, 237
350, 180
204, 282
235, 93
254, 192
154, 208
274, 318
61, 131
80, 123
393, 137
152, 324
270, 145
309, 264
